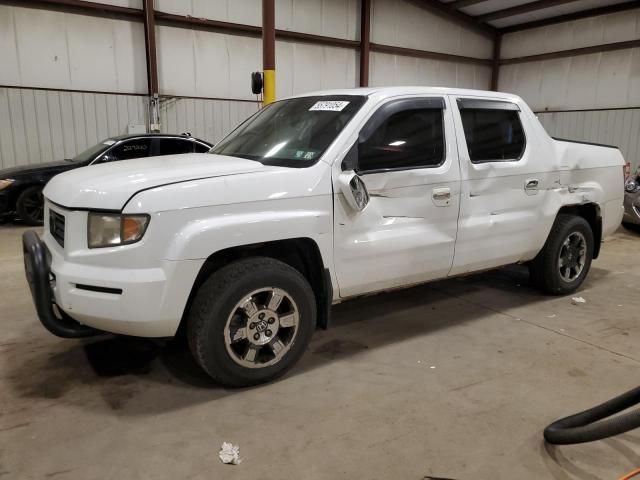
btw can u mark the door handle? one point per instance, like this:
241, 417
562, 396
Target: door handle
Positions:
531, 184
441, 196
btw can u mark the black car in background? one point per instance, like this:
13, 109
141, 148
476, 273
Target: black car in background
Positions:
21, 187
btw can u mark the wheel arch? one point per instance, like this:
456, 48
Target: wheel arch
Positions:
591, 212
301, 253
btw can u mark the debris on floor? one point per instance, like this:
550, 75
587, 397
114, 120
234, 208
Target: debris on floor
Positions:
230, 453
578, 300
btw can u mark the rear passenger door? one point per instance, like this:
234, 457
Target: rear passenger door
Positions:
503, 186
407, 158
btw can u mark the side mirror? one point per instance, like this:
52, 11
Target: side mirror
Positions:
354, 190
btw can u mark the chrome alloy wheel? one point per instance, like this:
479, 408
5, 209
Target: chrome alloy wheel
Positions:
572, 257
261, 328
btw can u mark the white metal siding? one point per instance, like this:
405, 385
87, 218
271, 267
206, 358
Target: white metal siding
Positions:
333, 18
49, 49
303, 68
388, 69
39, 125
208, 64
587, 32
209, 120
600, 80
612, 127
403, 23
42, 125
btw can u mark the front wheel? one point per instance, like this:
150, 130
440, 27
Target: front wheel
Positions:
30, 205
251, 321
564, 262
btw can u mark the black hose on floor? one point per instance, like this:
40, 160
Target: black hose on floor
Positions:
593, 424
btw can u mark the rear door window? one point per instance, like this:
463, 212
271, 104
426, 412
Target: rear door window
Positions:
173, 146
493, 130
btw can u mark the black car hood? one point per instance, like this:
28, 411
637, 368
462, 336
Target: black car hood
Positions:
49, 168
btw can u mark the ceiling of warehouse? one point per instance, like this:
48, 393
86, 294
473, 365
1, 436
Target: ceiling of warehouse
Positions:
511, 13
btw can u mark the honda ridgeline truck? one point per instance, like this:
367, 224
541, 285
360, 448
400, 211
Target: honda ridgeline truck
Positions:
313, 200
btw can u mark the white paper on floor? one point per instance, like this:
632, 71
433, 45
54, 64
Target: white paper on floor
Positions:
578, 300
230, 453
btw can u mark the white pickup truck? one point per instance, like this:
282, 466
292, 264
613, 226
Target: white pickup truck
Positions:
313, 200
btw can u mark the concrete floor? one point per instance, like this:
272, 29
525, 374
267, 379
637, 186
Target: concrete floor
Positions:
454, 379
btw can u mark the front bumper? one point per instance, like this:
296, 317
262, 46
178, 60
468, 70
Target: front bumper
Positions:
37, 260
111, 296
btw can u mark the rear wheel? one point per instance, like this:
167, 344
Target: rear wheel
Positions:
30, 205
564, 262
251, 321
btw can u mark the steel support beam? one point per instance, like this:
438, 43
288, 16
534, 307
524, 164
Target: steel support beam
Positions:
365, 41
520, 9
592, 12
450, 13
495, 70
412, 52
607, 47
152, 65
464, 3
269, 50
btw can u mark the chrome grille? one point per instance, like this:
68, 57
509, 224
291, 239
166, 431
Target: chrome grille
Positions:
56, 227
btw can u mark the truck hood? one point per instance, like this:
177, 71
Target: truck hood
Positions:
109, 186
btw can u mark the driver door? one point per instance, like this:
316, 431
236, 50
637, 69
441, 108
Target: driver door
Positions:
406, 156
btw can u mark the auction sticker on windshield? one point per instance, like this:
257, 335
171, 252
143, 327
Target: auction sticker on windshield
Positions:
329, 106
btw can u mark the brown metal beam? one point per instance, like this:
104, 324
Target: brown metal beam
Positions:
269, 51
411, 52
150, 46
607, 47
520, 9
80, 7
450, 13
495, 70
365, 41
316, 39
592, 12
464, 3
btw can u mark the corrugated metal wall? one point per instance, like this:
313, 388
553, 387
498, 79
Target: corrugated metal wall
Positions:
611, 127
59, 52
402, 23
207, 119
604, 87
37, 126
41, 125
42, 48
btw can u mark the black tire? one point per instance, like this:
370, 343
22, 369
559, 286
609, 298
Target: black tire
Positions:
544, 270
216, 300
30, 205
632, 227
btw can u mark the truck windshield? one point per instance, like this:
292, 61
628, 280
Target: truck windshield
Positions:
291, 133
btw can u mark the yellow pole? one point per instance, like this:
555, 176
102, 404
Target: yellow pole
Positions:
269, 51
269, 92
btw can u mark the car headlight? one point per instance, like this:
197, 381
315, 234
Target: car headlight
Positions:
5, 182
110, 230
630, 186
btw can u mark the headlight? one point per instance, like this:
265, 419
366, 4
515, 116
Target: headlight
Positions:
630, 186
110, 230
4, 183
